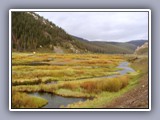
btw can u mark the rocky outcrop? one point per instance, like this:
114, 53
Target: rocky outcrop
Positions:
142, 50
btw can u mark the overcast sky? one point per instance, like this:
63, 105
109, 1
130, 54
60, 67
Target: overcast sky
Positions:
102, 26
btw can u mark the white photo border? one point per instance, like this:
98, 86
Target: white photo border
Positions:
81, 10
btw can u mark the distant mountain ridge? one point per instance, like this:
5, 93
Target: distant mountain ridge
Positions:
137, 42
112, 47
31, 32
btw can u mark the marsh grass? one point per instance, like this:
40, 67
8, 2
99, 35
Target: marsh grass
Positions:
112, 85
23, 100
102, 90
88, 86
98, 85
105, 97
76, 74
33, 82
61, 67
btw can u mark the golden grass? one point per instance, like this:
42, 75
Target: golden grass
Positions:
60, 67
23, 100
98, 85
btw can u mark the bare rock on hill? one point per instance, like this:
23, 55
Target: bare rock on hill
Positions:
58, 50
142, 50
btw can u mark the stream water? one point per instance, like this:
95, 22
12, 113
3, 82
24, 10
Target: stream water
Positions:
125, 69
55, 101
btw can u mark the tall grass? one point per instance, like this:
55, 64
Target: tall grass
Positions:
23, 100
109, 84
97, 86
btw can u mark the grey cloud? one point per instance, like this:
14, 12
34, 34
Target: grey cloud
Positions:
105, 26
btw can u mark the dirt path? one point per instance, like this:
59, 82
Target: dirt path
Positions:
135, 98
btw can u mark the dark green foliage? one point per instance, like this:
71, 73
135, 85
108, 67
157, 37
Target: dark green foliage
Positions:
30, 31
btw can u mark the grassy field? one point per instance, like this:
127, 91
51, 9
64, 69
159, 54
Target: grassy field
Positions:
76, 76
41, 68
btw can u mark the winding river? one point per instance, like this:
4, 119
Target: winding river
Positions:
55, 101
125, 69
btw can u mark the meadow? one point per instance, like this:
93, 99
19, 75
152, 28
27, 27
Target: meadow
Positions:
71, 75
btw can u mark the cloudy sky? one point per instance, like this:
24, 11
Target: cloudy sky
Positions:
102, 26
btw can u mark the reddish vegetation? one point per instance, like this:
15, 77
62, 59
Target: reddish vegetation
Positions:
89, 86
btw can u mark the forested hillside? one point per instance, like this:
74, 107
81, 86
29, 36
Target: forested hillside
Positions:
32, 32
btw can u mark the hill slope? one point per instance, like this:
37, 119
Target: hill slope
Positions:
142, 50
32, 32
137, 42
109, 47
